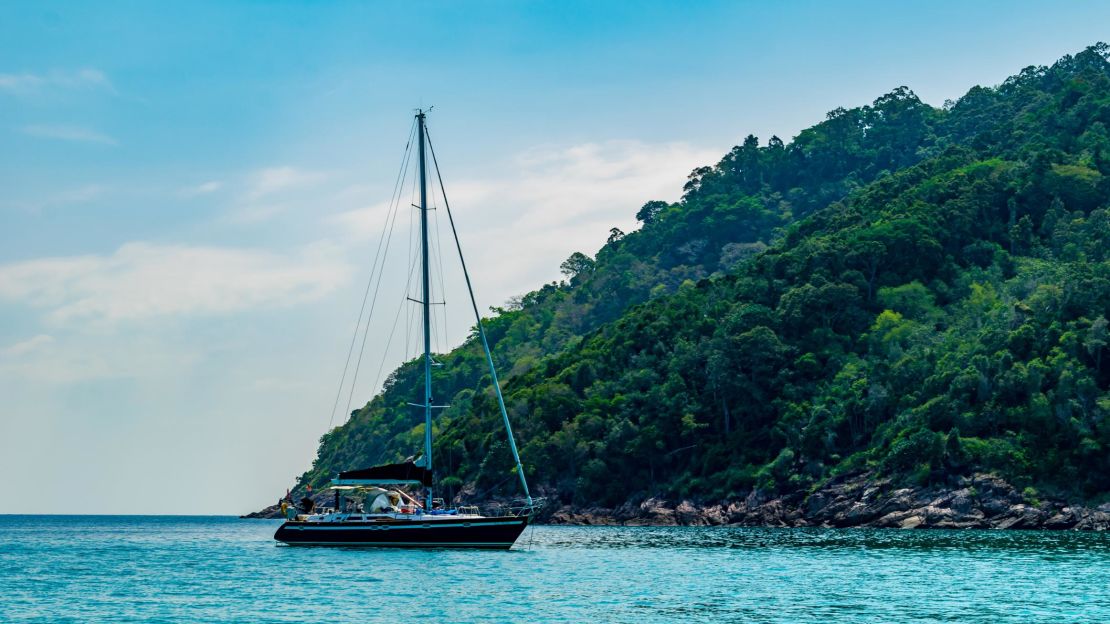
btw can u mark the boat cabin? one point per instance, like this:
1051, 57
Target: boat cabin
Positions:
365, 496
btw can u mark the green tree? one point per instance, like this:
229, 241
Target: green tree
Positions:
577, 264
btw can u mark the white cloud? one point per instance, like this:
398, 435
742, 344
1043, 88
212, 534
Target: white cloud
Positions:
273, 191
550, 202
18, 83
354, 191
42, 359
28, 83
143, 280
67, 197
203, 188
27, 346
273, 180
361, 223
78, 195
69, 133
85, 355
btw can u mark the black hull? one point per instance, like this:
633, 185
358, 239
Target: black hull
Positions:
443, 532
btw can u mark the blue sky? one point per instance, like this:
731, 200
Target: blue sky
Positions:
192, 193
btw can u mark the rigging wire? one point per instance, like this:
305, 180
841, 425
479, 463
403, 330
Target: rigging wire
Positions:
404, 299
408, 283
377, 288
412, 324
397, 185
389, 342
442, 273
408, 317
432, 278
481, 330
433, 248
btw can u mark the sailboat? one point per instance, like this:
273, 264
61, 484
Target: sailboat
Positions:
378, 511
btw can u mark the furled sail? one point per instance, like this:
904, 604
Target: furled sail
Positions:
386, 474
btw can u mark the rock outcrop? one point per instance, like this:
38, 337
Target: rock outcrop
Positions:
982, 501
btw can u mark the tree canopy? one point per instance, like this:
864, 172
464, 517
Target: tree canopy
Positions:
912, 290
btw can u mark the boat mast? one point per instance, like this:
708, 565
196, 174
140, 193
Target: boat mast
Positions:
427, 298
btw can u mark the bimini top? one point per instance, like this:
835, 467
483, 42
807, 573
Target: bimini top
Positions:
386, 474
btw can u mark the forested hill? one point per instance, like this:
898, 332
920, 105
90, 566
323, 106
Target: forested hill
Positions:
912, 292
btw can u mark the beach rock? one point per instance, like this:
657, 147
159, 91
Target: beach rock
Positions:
961, 501
686, 514
911, 522
715, 515
1063, 519
273, 511
857, 514
1093, 520
1021, 516
852, 500
654, 511
994, 506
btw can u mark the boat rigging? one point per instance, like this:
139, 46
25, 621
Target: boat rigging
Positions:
391, 517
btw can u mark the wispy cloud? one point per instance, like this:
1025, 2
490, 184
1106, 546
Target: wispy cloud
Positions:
30, 83
143, 280
203, 188
87, 356
553, 200
272, 180
20, 83
26, 346
69, 133
361, 223
77, 195
271, 191
60, 198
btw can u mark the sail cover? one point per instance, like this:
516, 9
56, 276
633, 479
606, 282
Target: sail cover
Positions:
386, 474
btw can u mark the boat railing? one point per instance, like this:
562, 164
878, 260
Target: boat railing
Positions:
517, 508
522, 507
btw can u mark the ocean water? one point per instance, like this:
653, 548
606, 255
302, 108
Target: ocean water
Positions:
192, 569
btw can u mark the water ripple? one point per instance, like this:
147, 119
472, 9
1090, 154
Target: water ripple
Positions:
136, 569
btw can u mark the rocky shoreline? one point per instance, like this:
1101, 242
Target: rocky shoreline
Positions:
981, 501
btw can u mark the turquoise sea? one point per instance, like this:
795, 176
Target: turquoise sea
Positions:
205, 569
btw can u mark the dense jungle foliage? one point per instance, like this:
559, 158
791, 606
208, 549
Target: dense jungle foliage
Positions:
915, 291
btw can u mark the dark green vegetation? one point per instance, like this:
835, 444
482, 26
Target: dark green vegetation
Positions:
916, 291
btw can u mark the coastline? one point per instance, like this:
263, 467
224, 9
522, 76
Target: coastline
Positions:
982, 501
